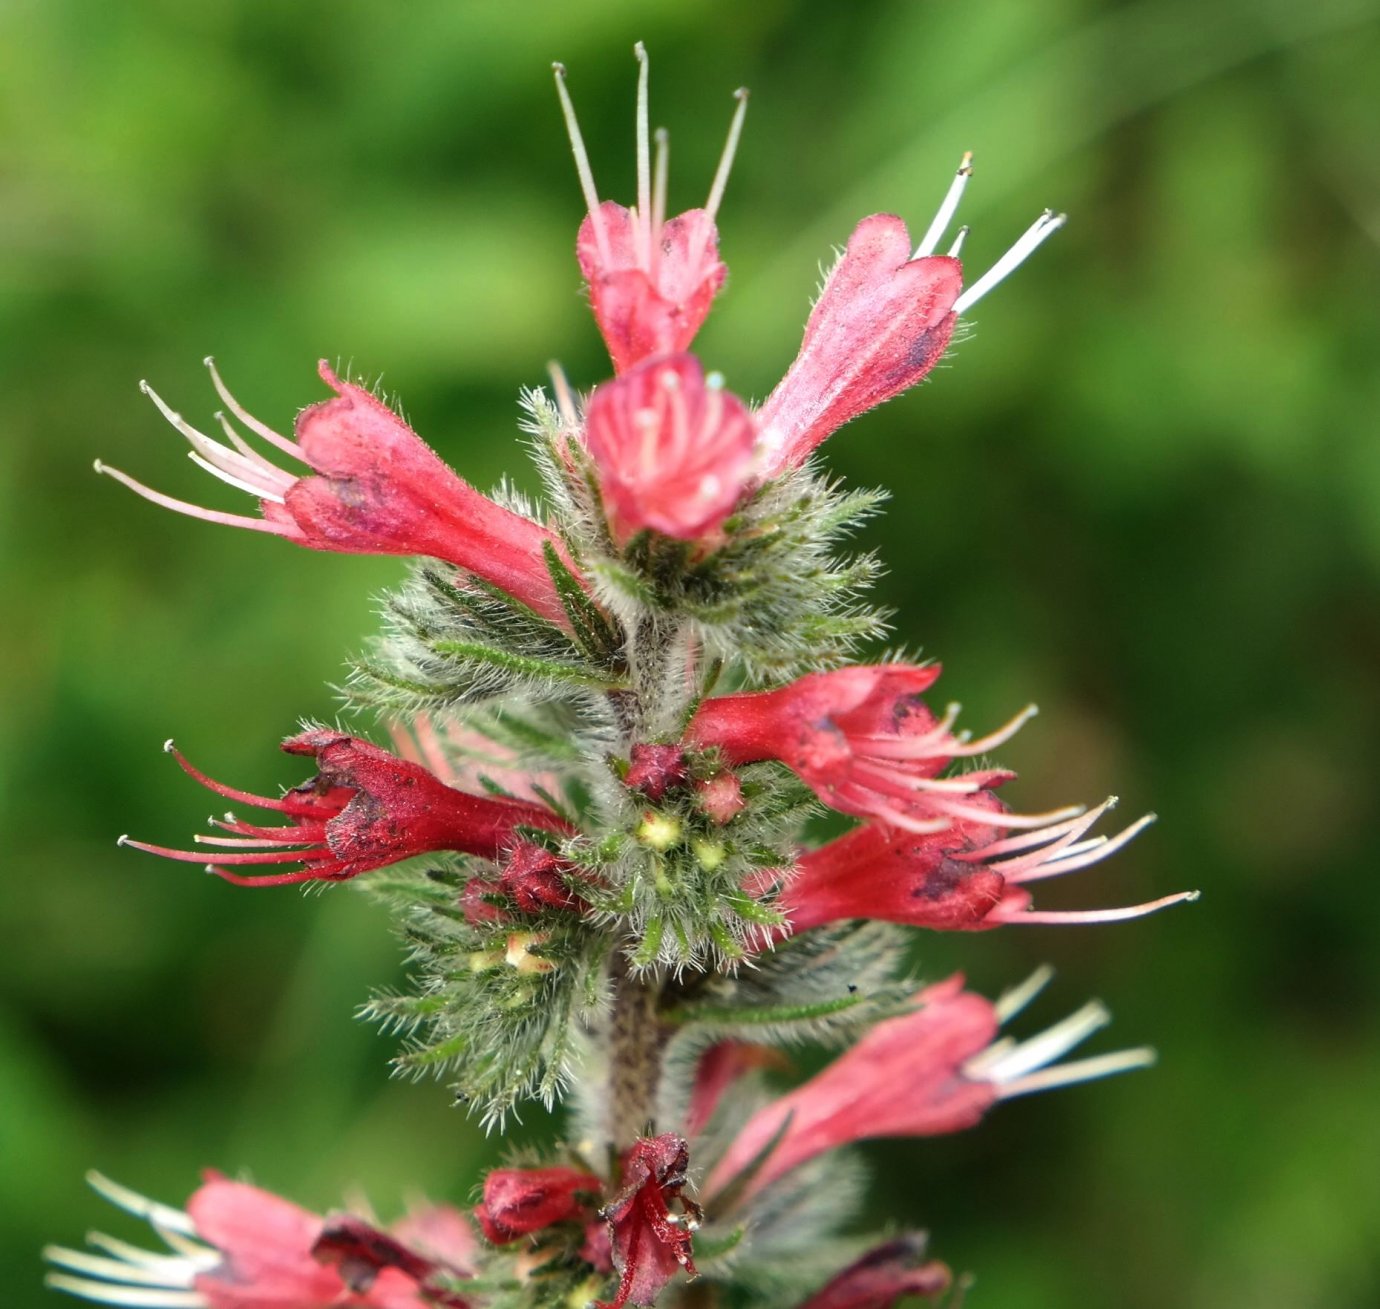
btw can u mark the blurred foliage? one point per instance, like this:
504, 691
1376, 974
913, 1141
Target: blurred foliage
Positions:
1146, 493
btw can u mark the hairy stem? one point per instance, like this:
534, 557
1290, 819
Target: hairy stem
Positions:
637, 1038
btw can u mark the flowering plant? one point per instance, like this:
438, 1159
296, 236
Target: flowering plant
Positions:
611, 718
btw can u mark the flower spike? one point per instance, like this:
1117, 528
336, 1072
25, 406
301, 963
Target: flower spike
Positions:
374, 488
651, 279
365, 809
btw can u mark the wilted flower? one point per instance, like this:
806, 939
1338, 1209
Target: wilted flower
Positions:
239, 1247
375, 488
364, 809
883, 1276
674, 452
650, 1242
926, 1073
651, 278
520, 1201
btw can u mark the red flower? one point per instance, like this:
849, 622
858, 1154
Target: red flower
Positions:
967, 877
377, 488
882, 1276
649, 1241
884, 318
519, 1201
673, 454
651, 279
926, 1073
239, 1247
865, 743
364, 809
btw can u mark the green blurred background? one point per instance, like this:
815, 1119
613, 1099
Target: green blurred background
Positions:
1146, 493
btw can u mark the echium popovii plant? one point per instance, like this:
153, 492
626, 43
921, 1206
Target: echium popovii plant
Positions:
611, 716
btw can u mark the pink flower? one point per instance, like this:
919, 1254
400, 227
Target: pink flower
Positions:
649, 1242
364, 809
882, 1276
864, 742
938, 1069
655, 769
651, 279
239, 1247
885, 316
375, 488
519, 1201
962, 879
673, 453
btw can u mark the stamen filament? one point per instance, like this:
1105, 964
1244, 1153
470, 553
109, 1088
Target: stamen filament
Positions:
258, 492
139, 1297
139, 1205
252, 423
1089, 852
1010, 1002
659, 175
582, 168
1059, 916
735, 130
218, 459
956, 249
185, 507
947, 208
644, 159
1082, 1070
1031, 240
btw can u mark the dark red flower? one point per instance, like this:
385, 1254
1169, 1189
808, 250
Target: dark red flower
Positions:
375, 488
651, 279
364, 809
883, 1276
655, 769
649, 1242
520, 1201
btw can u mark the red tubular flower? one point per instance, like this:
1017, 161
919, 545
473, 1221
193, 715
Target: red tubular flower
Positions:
651, 279
883, 319
962, 879
238, 1247
865, 743
364, 809
882, 1276
377, 488
519, 1201
673, 453
926, 1073
649, 1242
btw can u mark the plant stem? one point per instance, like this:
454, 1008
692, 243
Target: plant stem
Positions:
636, 1040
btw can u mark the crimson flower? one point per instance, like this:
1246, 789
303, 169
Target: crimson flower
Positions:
886, 314
967, 877
651, 278
649, 1242
239, 1247
519, 1201
938, 1069
375, 488
364, 809
674, 453
882, 1276
864, 741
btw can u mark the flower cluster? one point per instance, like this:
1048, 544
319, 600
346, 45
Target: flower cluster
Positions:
611, 719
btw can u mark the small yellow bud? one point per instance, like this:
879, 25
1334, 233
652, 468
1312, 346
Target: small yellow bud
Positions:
519, 954
709, 854
659, 831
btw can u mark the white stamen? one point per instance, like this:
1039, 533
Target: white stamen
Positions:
190, 1252
252, 423
241, 444
1002, 735
1082, 1070
957, 247
582, 168
644, 158
735, 130
1048, 1046
255, 469
136, 1296
1084, 853
168, 1272
940, 224
659, 173
1031, 240
258, 492
140, 1206
1070, 831
1010, 1002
